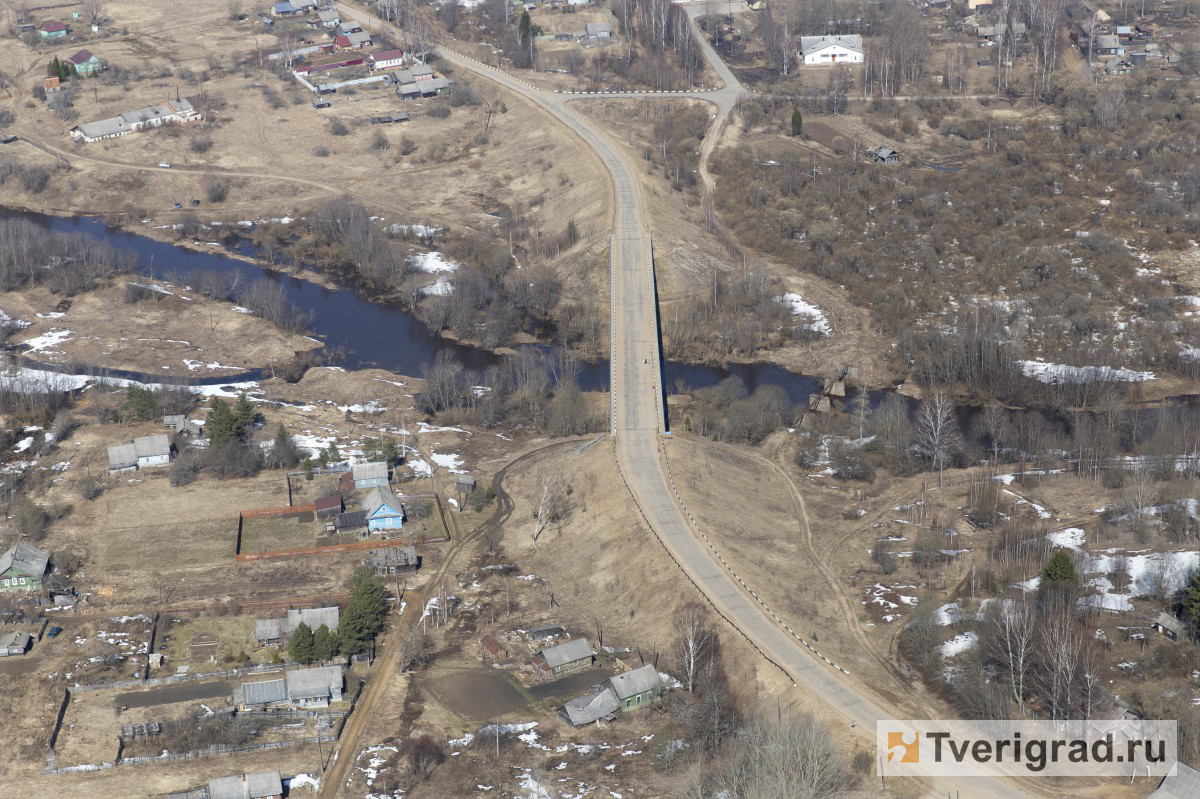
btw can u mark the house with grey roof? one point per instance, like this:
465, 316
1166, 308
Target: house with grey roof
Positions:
122, 458
183, 426
261, 695
14, 643
1169, 627
390, 561
597, 30
369, 475
267, 631
152, 450
1183, 784
257, 785
600, 704
22, 567
637, 688
315, 687
299, 688
566, 658
313, 617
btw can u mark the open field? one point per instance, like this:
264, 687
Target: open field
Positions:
176, 332
264, 136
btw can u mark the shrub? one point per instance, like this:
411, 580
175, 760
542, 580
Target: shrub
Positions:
441, 112
200, 144
321, 151
185, 469
380, 142
338, 128
216, 189
424, 754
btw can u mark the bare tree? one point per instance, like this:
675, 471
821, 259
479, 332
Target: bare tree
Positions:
420, 38
1137, 496
551, 504
777, 757
937, 430
95, 12
1060, 646
1011, 628
694, 646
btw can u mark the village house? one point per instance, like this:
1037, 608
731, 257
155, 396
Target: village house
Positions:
352, 41
883, 155
567, 658
183, 426
258, 785
386, 59
52, 29
1168, 626
85, 63
166, 113
299, 688
597, 30
22, 567
328, 18
637, 688
824, 50
600, 704
274, 631
1108, 44
283, 9
1184, 783
628, 691
1117, 66
390, 561
384, 510
144, 452
14, 643
370, 475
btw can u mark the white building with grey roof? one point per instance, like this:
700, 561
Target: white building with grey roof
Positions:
152, 116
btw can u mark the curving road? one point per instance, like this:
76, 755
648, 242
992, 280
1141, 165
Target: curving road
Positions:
637, 413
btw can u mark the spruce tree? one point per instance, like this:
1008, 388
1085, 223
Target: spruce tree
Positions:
244, 414
1059, 568
221, 425
797, 122
1191, 600
365, 611
302, 647
325, 643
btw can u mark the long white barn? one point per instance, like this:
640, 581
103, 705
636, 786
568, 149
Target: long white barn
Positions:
825, 50
152, 116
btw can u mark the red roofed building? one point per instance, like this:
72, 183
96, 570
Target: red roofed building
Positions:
52, 29
387, 59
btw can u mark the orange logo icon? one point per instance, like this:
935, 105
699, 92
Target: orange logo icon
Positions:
911, 752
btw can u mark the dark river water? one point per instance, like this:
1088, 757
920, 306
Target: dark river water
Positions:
384, 335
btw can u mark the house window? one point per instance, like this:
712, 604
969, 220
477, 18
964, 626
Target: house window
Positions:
6, 583
22, 581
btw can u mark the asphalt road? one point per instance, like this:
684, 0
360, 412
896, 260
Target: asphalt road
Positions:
637, 423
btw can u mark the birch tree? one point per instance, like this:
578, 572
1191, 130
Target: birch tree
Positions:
551, 504
1011, 627
694, 646
937, 430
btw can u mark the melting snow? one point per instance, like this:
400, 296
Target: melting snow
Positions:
798, 307
47, 341
1061, 373
959, 644
432, 262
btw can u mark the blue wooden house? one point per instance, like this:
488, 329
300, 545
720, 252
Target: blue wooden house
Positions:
384, 511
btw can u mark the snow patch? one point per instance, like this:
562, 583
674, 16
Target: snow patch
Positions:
798, 307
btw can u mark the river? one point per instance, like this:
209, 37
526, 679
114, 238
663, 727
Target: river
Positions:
381, 334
